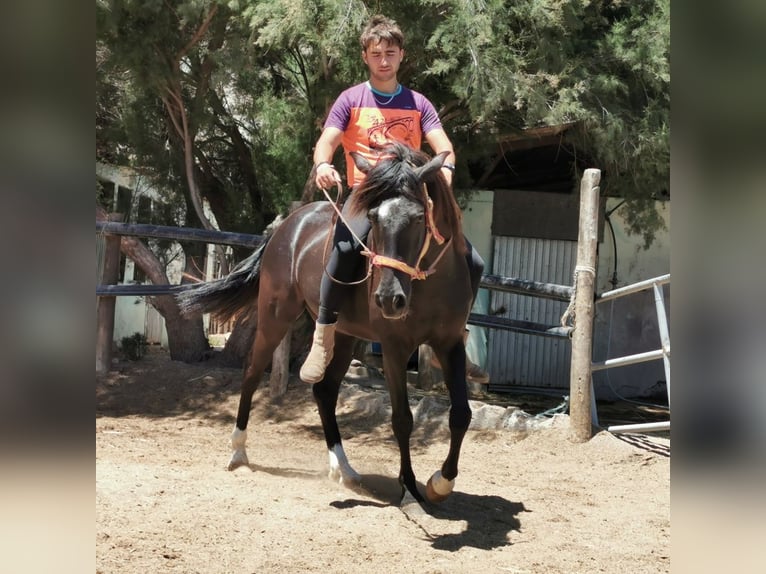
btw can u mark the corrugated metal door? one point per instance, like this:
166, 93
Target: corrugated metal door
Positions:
518, 358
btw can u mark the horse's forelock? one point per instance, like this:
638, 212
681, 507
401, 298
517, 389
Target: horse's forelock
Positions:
392, 176
389, 179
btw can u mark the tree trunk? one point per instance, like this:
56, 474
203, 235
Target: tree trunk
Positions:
238, 346
186, 336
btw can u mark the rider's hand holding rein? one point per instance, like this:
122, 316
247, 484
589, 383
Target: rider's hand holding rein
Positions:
327, 176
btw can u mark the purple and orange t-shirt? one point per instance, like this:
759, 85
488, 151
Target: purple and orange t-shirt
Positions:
369, 119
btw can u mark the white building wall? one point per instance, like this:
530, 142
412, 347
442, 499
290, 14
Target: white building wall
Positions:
477, 219
133, 314
628, 325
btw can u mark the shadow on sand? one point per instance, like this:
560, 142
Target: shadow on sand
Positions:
488, 519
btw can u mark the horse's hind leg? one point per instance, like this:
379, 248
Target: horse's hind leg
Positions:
326, 396
267, 337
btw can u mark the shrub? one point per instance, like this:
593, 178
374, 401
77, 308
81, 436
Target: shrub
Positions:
134, 347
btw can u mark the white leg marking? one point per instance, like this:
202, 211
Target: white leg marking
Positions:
238, 455
340, 469
441, 485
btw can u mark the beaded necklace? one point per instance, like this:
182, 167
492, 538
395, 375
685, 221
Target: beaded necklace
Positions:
379, 93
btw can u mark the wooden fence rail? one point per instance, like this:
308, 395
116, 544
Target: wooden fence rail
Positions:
179, 233
495, 282
526, 287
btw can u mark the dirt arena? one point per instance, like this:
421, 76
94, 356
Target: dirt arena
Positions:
526, 501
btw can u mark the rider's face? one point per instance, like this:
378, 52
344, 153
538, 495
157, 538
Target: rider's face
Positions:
383, 60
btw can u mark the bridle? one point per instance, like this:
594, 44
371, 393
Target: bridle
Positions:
377, 260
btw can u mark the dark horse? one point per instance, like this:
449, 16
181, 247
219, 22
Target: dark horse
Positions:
417, 291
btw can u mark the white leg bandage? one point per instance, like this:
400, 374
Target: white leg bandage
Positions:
238, 455
340, 469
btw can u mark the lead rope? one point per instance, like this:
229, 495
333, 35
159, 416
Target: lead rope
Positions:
365, 250
381, 260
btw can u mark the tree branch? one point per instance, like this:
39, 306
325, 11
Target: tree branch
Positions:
198, 34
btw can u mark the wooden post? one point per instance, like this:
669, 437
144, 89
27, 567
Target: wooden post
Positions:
106, 305
280, 360
584, 306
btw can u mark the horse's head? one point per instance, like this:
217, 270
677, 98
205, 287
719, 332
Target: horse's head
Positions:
397, 204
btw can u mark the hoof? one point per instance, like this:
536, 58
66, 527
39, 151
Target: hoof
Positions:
340, 470
238, 455
239, 458
438, 488
344, 479
411, 505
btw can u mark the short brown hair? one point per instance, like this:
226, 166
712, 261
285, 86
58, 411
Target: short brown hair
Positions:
381, 29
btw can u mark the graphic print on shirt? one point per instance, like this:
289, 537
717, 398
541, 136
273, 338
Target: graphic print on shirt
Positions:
370, 129
396, 129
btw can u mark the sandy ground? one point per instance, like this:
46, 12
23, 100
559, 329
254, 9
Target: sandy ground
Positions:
526, 499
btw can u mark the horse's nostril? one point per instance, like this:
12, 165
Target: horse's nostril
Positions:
378, 302
399, 302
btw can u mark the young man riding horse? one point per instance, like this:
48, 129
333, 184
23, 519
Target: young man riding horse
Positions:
363, 119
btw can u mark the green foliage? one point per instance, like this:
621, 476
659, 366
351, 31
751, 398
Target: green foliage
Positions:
134, 346
601, 66
258, 83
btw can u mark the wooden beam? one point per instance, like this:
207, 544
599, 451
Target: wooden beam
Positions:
526, 287
519, 326
179, 233
140, 290
105, 305
580, 415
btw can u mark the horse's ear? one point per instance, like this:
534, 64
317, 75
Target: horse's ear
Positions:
361, 162
425, 171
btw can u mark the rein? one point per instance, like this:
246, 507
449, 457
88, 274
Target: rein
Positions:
376, 260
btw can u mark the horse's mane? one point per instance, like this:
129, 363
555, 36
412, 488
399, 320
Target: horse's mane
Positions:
393, 176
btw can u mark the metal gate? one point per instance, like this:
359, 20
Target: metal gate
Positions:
519, 359
662, 353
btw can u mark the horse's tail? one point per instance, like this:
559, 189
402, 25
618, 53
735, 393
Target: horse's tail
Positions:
227, 295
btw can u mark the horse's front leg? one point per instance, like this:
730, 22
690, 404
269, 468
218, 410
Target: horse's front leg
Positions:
395, 371
441, 484
326, 397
